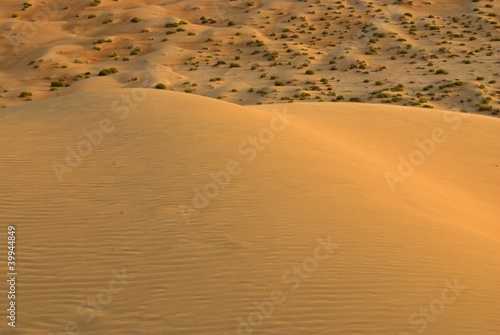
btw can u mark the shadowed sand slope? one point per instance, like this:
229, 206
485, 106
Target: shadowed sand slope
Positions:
187, 215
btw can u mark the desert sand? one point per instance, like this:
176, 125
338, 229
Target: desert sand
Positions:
302, 224
430, 54
250, 167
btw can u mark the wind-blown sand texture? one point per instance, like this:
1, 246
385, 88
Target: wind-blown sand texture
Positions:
107, 250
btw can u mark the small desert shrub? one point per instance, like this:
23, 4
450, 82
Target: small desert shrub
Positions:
204, 20
398, 88
109, 71
25, 94
102, 40
309, 72
57, 84
161, 86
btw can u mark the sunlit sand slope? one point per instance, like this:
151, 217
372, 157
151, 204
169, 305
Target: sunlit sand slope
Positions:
154, 212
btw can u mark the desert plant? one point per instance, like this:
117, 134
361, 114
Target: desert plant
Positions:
57, 83
106, 72
25, 94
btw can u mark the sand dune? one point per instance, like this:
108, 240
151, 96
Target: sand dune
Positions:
187, 215
432, 54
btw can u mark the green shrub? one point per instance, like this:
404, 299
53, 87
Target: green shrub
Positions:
109, 71
398, 88
136, 20
100, 41
25, 94
161, 86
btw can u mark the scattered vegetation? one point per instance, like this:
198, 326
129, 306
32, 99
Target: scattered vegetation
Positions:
106, 72
25, 94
